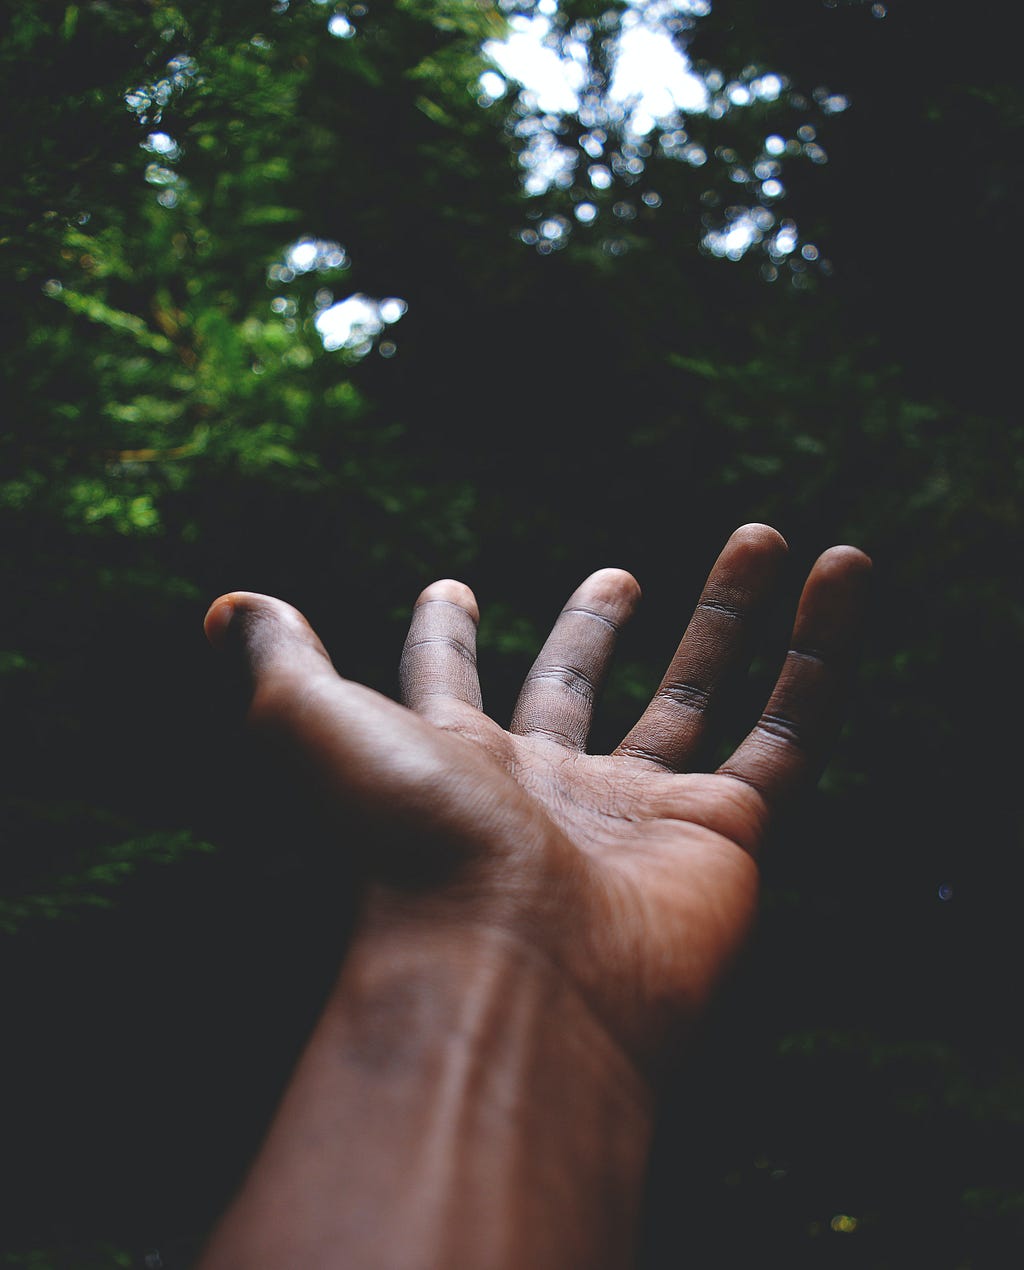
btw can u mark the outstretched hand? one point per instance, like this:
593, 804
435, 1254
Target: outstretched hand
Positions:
631, 876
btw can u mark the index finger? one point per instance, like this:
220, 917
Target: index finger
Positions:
789, 745
439, 658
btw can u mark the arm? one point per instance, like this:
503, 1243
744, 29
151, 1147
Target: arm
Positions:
540, 926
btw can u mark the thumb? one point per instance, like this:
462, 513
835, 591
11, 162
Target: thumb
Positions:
336, 736
277, 669
271, 658
267, 636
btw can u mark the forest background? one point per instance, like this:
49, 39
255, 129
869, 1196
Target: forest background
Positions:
591, 326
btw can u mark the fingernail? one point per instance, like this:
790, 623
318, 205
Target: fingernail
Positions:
217, 620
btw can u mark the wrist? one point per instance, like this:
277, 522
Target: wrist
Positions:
480, 1115
525, 1129
417, 988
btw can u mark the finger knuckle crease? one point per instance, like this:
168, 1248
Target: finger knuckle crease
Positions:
807, 654
688, 696
568, 676
781, 728
721, 608
649, 756
444, 641
736, 775
551, 734
452, 604
600, 617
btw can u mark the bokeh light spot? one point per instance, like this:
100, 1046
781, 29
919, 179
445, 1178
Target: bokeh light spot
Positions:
341, 27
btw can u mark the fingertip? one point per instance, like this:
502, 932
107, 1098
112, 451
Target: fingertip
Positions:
218, 618
846, 559
611, 594
748, 565
613, 586
227, 608
752, 557
759, 536
834, 601
449, 591
258, 623
842, 569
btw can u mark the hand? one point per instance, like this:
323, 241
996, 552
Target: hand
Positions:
633, 877
539, 923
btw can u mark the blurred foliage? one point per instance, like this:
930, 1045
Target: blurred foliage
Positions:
185, 190
90, 884
98, 1257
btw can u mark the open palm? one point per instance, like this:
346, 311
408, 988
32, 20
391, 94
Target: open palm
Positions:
633, 875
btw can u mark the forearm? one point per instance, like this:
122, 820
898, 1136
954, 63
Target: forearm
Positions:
457, 1105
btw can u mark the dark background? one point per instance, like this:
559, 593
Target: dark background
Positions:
625, 399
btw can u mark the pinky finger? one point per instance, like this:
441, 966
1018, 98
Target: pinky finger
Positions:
790, 743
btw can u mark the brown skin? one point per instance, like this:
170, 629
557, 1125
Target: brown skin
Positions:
540, 926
